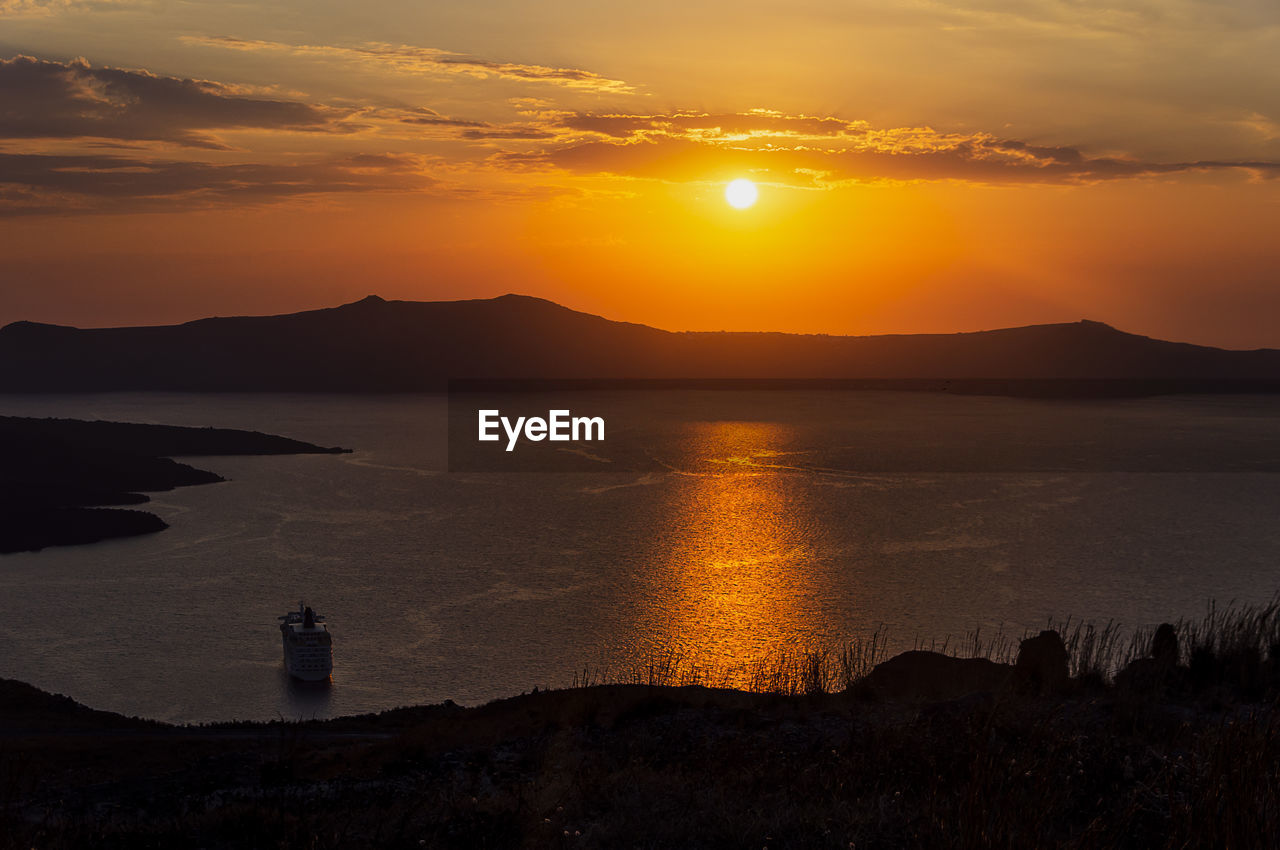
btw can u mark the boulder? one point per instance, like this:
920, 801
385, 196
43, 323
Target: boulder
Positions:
1159, 672
1042, 663
920, 676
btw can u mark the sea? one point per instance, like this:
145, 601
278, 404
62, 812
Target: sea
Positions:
755, 524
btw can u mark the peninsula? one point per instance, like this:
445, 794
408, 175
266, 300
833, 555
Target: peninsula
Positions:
62, 481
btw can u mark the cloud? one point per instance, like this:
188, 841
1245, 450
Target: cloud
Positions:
821, 151
46, 99
46, 8
757, 122
1267, 128
408, 59
508, 133
1129, 17
90, 111
40, 184
421, 116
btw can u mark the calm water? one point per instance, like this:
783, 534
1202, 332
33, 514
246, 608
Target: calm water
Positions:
768, 520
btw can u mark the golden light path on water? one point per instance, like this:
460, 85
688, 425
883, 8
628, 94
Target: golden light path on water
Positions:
734, 586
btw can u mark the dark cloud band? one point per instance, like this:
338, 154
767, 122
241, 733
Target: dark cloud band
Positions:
41, 184
42, 99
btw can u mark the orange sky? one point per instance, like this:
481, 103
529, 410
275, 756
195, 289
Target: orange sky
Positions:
927, 166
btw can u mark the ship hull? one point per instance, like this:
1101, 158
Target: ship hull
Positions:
308, 650
305, 676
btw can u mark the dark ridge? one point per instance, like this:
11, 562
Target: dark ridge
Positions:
374, 345
24, 707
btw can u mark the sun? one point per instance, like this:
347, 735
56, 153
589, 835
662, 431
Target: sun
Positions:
741, 193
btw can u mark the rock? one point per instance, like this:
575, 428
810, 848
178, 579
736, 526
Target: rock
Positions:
920, 676
1042, 663
1157, 674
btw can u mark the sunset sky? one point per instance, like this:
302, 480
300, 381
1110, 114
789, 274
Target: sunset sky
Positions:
922, 165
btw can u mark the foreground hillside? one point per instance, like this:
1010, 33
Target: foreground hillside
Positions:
377, 346
926, 751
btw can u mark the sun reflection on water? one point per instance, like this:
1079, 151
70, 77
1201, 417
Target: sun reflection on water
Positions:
735, 554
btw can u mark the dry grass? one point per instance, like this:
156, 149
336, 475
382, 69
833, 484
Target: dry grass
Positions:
1226, 644
804, 762
788, 673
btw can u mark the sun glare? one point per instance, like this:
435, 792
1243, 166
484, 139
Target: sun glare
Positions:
741, 193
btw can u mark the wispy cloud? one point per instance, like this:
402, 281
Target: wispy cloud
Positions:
420, 121
1129, 17
1267, 128
511, 133
409, 59
47, 8
66, 100
45, 184
812, 151
421, 117
725, 126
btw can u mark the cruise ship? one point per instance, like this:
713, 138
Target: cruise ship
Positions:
308, 646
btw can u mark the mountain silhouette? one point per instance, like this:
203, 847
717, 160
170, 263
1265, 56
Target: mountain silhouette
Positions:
373, 345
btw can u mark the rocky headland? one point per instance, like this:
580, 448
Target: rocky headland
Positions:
62, 481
